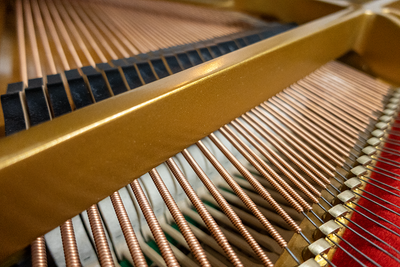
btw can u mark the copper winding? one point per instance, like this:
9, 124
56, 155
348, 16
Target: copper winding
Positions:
350, 105
21, 41
349, 94
148, 32
349, 74
196, 31
314, 115
67, 231
154, 225
286, 151
225, 207
344, 111
75, 33
104, 28
256, 184
354, 78
170, 37
99, 236
345, 71
278, 128
335, 122
350, 130
184, 12
94, 30
276, 160
182, 37
180, 220
126, 226
38, 246
312, 160
324, 80
113, 27
69, 244
138, 37
346, 94
144, 29
335, 111
38, 251
300, 131
294, 142
242, 195
328, 108
191, 27
85, 32
63, 32
294, 199
330, 139
135, 37
347, 140
212, 226
43, 37
371, 98
54, 34
32, 39
353, 108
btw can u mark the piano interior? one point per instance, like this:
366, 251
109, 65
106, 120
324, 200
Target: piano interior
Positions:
199, 133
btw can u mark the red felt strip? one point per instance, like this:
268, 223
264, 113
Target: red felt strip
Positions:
341, 258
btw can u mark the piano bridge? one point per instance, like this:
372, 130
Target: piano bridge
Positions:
200, 133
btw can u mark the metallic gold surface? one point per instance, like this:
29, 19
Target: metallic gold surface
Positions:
80, 158
289, 11
299, 11
58, 169
212, 3
379, 46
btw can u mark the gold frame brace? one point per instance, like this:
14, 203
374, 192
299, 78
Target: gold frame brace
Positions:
55, 170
